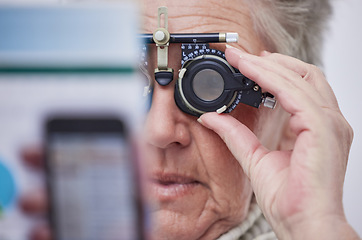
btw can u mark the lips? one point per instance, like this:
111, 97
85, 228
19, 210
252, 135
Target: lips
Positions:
167, 187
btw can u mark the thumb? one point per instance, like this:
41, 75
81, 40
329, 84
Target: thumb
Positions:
240, 140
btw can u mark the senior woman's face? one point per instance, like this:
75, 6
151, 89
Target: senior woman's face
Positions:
199, 188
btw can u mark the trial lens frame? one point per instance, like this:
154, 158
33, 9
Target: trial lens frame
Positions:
162, 38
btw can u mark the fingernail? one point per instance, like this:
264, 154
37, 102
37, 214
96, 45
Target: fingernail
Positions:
229, 46
265, 53
199, 120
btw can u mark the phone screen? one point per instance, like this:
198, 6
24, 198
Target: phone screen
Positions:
92, 183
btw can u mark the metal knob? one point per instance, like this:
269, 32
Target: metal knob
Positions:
269, 102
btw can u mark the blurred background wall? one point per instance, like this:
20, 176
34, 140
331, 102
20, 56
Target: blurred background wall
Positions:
343, 68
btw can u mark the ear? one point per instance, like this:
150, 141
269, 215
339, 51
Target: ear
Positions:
288, 138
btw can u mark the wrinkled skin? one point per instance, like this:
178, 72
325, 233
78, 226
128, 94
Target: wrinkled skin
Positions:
178, 147
293, 157
299, 189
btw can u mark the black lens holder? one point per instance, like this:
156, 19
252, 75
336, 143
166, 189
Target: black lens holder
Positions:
206, 82
237, 87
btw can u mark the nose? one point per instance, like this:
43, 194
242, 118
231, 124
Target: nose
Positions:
166, 125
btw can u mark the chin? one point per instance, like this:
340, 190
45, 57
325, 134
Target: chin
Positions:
171, 224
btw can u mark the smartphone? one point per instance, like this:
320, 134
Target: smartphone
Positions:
93, 180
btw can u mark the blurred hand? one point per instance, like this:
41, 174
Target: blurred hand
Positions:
35, 203
298, 190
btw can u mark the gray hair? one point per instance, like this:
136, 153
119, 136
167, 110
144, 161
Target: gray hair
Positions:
292, 27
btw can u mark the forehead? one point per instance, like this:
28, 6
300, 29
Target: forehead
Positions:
201, 16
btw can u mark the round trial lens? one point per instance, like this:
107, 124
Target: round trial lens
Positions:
208, 84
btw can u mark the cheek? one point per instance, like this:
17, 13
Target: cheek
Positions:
228, 184
247, 115
217, 158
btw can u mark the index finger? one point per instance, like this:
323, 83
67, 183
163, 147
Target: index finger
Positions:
280, 73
